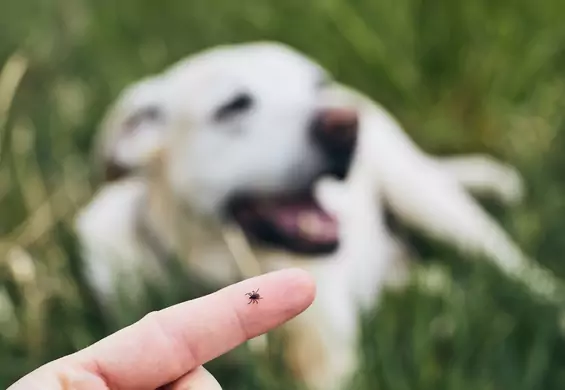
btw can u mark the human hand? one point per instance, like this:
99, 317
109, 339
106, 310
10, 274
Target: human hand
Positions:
166, 349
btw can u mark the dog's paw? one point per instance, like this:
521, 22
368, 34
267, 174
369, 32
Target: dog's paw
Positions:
510, 187
331, 194
484, 175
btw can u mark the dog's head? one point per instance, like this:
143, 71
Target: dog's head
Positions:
251, 135
247, 136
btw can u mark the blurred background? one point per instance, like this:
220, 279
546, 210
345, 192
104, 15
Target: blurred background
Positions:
461, 76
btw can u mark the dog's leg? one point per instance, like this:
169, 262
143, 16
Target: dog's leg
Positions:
484, 175
427, 197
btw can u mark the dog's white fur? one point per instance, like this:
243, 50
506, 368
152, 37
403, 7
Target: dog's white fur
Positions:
200, 162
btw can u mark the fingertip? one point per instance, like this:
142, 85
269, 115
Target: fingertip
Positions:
284, 294
303, 285
292, 286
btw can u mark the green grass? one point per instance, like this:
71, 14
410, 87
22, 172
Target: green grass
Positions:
475, 76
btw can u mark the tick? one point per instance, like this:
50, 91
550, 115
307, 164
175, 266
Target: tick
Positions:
254, 296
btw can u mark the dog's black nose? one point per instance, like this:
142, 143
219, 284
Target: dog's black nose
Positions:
335, 131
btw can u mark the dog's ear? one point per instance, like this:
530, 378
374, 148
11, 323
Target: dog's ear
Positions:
140, 137
133, 132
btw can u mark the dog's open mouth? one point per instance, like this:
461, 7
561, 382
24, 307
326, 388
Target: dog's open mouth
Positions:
292, 222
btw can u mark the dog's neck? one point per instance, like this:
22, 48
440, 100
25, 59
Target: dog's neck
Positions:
159, 209
173, 229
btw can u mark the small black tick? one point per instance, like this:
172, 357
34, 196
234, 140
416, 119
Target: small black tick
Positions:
254, 296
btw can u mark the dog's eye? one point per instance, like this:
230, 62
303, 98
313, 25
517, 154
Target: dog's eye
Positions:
147, 114
240, 103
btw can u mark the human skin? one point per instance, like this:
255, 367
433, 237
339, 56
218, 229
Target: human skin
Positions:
166, 349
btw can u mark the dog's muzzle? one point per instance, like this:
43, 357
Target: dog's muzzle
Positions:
296, 222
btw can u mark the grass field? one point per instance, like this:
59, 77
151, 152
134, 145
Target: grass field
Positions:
462, 77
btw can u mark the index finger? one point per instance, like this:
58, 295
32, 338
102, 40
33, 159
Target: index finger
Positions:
167, 344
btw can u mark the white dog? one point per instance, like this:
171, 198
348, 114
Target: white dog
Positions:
249, 135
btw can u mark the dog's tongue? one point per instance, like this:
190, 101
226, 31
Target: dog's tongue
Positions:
304, 219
